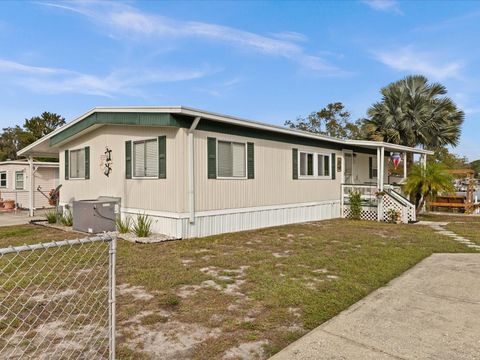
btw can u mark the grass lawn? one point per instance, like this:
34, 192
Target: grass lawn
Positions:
250, 294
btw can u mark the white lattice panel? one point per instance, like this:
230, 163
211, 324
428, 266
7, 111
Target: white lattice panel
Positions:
366, 214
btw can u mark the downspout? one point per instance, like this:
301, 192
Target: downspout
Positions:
191, 170
32, 186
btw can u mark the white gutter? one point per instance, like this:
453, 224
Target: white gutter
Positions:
191, 170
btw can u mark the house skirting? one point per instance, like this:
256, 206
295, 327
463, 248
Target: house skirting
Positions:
208, 223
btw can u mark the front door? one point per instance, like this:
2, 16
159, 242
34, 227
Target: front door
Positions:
348, 167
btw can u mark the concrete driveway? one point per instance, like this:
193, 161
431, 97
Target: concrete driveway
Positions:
18, 218
430, 312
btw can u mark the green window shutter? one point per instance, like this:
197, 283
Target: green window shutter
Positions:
250, 161
334, 166
370, 167
128, 159
162, 157
87, 162
295, 163
66, 164
212, 157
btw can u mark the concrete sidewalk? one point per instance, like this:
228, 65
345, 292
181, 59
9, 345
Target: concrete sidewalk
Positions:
430, 312
19, 218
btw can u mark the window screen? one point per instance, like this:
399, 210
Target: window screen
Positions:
145, 158
231, 159
77, 164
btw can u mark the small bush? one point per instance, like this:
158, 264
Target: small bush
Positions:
123, 226
393, 215
355, 205
142, 226
67, 218
51, 216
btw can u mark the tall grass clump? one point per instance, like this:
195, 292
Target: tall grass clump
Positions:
123, 226
51, 216
67, 218
142, 227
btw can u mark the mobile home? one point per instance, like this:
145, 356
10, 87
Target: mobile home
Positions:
198, 173
16, 182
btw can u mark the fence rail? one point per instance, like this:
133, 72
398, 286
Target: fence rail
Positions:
57, 300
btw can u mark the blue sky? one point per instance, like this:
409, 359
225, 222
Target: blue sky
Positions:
266, 61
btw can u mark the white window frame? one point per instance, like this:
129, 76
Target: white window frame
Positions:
133, 159
315, 175
374, 167
23, 180
70, 163
6, 181
246, 161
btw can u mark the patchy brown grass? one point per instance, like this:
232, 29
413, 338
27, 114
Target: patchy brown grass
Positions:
252, 293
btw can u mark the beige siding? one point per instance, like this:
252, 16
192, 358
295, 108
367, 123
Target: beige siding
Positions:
360, 168
273, 183
45, 177
149, 194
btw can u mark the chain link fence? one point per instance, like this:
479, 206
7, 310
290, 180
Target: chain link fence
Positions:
57, 300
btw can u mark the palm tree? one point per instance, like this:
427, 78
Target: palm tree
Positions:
413, 112
428, 182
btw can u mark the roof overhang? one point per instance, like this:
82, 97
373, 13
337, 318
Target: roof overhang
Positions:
35, 163
43, 146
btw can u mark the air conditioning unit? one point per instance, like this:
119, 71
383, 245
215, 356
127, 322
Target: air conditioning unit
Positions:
95, 216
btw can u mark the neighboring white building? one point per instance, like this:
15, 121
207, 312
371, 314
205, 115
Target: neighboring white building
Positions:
15, 182
199, 173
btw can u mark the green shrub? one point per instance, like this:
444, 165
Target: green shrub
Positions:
355, 205
123, 226
67, 218
142, 226
51, 216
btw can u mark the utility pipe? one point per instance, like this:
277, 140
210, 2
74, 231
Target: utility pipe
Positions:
191, 170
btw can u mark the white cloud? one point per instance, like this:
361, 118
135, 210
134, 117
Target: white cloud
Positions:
384, 5
57, 80
129, 22
407, 59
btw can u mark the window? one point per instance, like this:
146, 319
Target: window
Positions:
231, 160
77, 164
19, 183
373, 171
3, 179
306, 164
314, 165
145, 158
323, 168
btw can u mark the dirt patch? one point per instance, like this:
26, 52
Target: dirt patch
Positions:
138, 292
170, 340
246, 351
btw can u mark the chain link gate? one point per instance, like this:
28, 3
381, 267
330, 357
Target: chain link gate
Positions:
57, 300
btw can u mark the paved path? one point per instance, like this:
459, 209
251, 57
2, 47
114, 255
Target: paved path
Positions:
431, 311
439, 227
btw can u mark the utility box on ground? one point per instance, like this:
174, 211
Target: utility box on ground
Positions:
95, 216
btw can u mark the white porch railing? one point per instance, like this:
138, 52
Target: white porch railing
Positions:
377, 206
